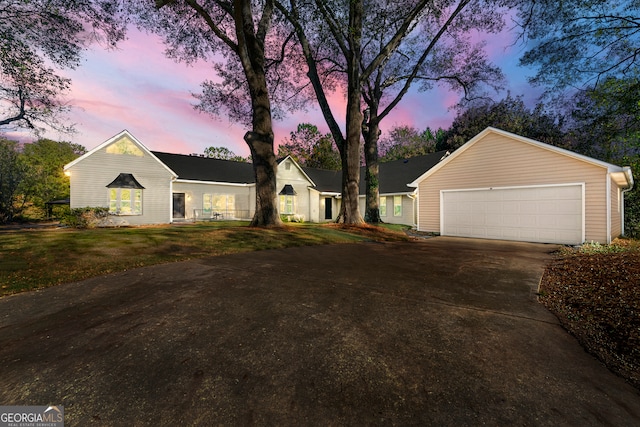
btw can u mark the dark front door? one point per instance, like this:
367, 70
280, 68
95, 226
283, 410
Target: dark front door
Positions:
178, 205
328, 202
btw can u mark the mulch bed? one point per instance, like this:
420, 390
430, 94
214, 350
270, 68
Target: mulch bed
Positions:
596, 297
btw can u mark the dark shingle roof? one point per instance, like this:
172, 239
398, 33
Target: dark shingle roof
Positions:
206, 169
325, 180
394, 176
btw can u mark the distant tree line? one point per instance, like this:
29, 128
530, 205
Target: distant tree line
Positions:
31, 175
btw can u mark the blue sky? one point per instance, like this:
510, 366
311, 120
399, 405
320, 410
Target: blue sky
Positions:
136, 88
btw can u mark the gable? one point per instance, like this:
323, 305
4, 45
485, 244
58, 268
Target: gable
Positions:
123, 150
504, 150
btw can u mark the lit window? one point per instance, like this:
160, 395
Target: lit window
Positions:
125, 146
125, 201
218, 204
383, 206
287, 200
125, 195
397, 205
287, 205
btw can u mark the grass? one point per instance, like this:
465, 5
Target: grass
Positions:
35, 259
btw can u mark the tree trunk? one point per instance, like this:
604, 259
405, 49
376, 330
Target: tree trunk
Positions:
265, 169
371, 133
260, 139
350, 150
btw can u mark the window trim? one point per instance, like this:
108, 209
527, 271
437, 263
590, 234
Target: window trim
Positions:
135, 201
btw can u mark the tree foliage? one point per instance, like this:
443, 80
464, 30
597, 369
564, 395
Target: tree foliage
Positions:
12, 173
247, 44
31, 174
44, 180
581, 42
403, 142
38, 38
223, 153
510, 114
310, 148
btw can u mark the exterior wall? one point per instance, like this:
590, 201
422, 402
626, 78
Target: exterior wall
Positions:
300, 183
244, 198
616, 210
499, 161
90, 176
408, 210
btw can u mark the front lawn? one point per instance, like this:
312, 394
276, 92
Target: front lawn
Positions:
34, 259
595, 293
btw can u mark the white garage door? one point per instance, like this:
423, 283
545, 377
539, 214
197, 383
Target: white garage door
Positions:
546, 214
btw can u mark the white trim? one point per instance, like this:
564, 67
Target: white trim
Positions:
569, 184
608, 190
112, 140
299, 168
231, 184
581, 184
491, 130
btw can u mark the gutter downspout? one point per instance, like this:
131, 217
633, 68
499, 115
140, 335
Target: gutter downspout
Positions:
414, 197
627, 170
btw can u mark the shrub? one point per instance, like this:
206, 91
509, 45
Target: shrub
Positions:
88, 217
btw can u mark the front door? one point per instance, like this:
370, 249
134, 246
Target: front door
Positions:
328, 202
178, 205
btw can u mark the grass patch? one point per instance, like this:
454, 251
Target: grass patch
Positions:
35, 259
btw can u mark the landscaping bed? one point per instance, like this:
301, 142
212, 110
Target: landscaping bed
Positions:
595, 293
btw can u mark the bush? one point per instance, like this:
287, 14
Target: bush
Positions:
88, 217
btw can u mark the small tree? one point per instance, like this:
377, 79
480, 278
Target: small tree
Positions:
310, 148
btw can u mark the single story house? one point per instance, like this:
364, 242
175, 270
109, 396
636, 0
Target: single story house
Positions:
148, 187
496, 186
504, 186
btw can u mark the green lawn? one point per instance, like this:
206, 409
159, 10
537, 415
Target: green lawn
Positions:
33, 259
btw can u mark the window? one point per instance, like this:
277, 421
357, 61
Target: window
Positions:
125, 201
397, 205
382, 205
125, 195
224, 204
287, 205
125, 146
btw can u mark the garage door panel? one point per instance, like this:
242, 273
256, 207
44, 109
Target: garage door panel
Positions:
551, 214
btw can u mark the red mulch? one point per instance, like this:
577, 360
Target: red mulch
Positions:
596, 297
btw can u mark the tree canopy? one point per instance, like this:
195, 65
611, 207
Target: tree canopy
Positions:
309, 147
37, 39
581, 42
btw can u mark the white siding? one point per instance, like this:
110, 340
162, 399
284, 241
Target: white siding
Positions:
90, 176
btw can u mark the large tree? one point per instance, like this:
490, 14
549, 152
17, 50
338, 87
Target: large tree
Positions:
248, 46
331, 37
37, 39
438, 50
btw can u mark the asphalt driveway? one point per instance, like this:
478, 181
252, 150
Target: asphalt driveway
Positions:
438, 332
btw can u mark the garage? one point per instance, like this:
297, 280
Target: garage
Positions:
546, 214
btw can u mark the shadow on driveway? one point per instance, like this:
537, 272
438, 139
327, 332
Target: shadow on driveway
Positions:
438, 332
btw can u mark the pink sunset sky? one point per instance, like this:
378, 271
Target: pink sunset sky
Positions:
137, 88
